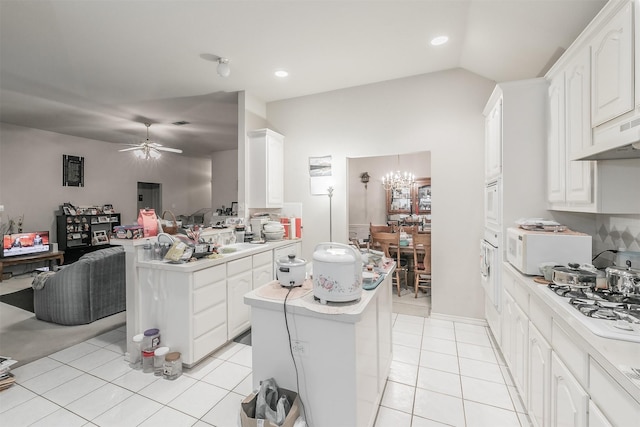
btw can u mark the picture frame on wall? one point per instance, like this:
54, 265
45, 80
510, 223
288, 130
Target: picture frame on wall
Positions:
72, 171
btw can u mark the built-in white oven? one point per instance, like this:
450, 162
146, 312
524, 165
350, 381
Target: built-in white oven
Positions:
492, 204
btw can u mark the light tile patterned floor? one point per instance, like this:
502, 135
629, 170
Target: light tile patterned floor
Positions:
443, 373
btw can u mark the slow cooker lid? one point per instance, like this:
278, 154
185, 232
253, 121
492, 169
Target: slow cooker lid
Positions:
336, 255
291, 260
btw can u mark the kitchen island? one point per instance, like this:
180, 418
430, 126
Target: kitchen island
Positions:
342, 350
198, 306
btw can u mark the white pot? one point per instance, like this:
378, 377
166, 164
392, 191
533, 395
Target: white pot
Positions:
337, 273
291, 271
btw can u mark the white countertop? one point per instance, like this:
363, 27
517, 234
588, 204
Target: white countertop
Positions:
203, 263
307, 305
611, 347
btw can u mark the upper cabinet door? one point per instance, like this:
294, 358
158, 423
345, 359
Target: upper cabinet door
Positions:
556, 153
612, 67
493, 141
579, 187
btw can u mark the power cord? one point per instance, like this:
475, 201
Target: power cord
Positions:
295, 366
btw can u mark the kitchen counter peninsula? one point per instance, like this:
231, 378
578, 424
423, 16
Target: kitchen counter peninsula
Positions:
198, 306
342, 350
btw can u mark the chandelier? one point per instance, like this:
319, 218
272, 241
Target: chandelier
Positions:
397, 179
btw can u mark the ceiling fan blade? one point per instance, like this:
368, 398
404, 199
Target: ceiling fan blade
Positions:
172, 150
137, 147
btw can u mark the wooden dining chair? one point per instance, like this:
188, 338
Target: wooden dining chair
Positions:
389, 244
422, 261
378, 228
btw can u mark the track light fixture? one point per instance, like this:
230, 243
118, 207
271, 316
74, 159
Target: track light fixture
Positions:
223, 67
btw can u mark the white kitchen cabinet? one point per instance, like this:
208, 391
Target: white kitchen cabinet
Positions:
617, 406
493, 141
262, 269
520, 351
508, 315
579, 183
266, 169
612, 67
596, 417
569, 401
570, 183
539, 374
239, 282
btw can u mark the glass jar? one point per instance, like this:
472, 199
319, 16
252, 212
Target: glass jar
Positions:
135, 357
151, 339
172, 365
158, 360
147, 360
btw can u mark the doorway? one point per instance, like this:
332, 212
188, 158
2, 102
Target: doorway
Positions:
150, 196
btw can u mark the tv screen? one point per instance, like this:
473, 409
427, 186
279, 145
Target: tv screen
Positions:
25, 243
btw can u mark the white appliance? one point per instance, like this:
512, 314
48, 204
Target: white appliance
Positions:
620, 140
526, 250
337, 273
490, 272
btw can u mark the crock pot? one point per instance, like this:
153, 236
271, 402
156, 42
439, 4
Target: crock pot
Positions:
574, 276
337, 273
291, 271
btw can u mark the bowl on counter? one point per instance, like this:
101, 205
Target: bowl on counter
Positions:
271, 236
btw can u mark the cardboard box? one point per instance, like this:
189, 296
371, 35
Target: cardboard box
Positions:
128, 232
248, 410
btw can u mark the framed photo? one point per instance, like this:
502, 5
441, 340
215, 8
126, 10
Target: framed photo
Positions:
66, 210
102, 219
100, 237
72, 171
234, 208
107, 208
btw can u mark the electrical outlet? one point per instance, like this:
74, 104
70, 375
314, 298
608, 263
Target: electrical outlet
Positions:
299, 347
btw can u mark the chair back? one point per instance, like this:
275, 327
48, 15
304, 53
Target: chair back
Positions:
380, 228
385, 241
422, 252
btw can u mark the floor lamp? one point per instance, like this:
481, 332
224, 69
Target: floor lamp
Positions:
330, 193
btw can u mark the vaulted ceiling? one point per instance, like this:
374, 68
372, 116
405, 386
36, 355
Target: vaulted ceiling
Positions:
100, 69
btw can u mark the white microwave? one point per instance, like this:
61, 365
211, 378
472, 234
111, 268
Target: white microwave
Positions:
526, 250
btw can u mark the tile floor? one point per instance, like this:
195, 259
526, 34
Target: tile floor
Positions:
443, 373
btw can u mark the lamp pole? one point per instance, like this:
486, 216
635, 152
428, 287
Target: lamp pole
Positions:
330, 193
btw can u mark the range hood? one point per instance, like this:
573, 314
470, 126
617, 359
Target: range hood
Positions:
619, 141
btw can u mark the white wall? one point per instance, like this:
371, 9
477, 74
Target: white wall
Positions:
440, 113
224, 178
31, 177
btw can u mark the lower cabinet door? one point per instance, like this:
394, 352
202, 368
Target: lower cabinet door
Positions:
538, 380
569, 401
238, 312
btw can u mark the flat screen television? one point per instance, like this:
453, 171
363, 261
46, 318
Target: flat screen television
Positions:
25, 243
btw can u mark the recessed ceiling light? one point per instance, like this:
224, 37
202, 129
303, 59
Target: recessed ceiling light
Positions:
437, 41
281, 73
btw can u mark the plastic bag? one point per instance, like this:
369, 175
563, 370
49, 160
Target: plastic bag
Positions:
269, 406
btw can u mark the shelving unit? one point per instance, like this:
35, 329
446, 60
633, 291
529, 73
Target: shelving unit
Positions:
413, 199
84, 231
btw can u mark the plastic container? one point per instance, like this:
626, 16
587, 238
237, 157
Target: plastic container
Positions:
147, 361
147, 256
151, 339
135, 357
172, 365
158, 360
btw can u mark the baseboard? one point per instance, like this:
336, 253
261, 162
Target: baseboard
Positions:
470, 320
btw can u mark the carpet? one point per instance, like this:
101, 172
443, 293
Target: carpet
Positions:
22, 299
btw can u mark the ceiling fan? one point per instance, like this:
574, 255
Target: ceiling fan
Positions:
149, 150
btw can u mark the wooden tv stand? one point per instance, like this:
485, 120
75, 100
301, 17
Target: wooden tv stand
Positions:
47, 256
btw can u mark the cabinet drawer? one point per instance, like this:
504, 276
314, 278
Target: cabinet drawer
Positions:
573, 356
209, 319
521, 295
239, 266
210, 275
209, 342
616, 404
208, 296
262, 258
540, 318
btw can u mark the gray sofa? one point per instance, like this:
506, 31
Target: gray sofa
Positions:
87, 290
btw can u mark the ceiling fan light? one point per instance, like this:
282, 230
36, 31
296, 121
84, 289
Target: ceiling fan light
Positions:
154, 154
139, 154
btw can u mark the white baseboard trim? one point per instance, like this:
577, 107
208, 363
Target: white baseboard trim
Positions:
470, 320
